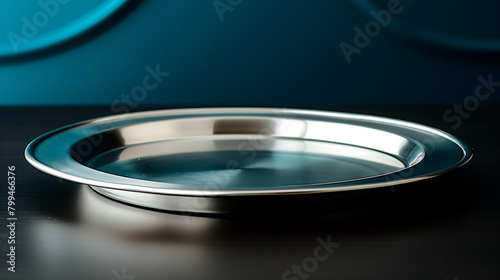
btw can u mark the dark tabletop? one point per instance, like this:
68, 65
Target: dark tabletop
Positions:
442, 228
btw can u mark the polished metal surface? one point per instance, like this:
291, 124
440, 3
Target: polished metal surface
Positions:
210, 160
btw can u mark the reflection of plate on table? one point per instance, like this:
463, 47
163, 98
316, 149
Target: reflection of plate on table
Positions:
216, 160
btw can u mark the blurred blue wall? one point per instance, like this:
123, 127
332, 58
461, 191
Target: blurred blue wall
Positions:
260, 52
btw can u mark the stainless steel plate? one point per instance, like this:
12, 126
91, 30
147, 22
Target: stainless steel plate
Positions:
212, 160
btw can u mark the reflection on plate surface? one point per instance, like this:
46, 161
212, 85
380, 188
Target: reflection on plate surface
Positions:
277, 162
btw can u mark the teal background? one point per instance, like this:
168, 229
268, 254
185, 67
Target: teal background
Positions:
270, 53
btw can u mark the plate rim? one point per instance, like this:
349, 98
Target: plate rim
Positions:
327, 187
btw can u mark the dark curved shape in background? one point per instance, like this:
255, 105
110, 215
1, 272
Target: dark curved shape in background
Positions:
439, 42
76, 40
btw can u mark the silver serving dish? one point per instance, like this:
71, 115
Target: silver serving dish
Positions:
218, 160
